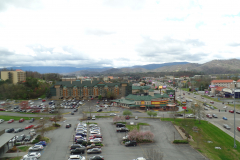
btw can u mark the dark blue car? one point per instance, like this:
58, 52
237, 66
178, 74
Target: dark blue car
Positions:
41, 143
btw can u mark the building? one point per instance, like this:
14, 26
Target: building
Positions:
88, 89
15, 76
5, 145
69, 78
153, 101
228, 85
140, 89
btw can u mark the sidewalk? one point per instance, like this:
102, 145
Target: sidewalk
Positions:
17, 154
226, 131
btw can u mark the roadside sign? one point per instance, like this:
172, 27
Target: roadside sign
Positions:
184, 107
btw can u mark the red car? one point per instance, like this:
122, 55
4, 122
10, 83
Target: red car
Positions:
127, 117
212, 102
11, 120
209, 115
238, 128
29, 126
21, 120
36, 111
1, 109
43, 100
231, 111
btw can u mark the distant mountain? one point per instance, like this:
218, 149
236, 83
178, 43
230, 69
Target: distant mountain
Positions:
60, 69
154, 66
176, 68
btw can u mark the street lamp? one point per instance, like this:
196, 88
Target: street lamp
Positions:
234, 146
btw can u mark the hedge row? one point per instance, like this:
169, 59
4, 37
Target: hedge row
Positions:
181, 141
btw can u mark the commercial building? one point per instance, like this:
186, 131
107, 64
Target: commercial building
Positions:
14, 76
88, 89
5, 145
154, 101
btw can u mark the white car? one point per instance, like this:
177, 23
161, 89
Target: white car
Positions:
225, 107
96, 140
33, 155
1, 120
125, 137
36, 148
76, 157
140, 158
112, 114
13, 139
131, 123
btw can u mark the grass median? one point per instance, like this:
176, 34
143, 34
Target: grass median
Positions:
137, 127
16, 118
208, 132
23, 148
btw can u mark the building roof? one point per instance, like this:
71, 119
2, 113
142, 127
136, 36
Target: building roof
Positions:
238, 80
5, 137
219, 88
141, 87
86, 83
222, 81
145, 98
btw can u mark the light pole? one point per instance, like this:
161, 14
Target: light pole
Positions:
234, 146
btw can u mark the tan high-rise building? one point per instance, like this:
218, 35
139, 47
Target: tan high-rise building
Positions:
15, 76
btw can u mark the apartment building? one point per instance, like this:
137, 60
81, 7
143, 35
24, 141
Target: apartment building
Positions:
227, 83
14, 76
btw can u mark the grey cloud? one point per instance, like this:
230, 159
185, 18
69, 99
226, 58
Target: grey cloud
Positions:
169, 48
98, 32
28, 4
234, 44
5, 52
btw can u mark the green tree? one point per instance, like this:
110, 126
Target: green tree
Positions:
100, 97
150, 113
127, 113
154, 114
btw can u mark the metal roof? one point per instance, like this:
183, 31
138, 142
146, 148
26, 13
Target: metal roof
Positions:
4, 138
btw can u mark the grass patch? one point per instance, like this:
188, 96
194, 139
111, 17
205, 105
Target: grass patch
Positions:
180, 141
46, 139
16, 118
91, 123
104, 112
103, 116
209, 132
24, 148
120, 122
132, 127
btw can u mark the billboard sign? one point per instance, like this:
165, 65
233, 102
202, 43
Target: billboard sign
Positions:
213, 86
170, 92
160, 87
184, 107
164, 87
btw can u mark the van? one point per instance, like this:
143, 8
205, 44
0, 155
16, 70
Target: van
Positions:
93, 117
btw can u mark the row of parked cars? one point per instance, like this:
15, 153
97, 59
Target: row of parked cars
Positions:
81, 141
120, 127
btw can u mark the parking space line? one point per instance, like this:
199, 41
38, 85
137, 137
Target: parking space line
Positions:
143, 151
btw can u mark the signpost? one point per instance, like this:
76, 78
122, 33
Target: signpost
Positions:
184, 107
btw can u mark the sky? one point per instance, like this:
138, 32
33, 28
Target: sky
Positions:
117, 33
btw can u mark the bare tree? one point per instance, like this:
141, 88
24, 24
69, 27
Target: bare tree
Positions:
200, 112
154, 154
42, 123
187, 124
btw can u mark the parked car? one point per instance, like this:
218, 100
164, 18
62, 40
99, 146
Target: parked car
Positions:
74, 146
127, 117
238, 112
214, 116
98, 157
29, 158
21, 120
1, 120
11, 120
226, 126
29, 126
68, 125
191, 116
209, 115
224, 118
238, 128
43, 100
94, 150
120, 125
78, 151
225, 107
43, 143
21, 138
28, 138
99, 110
35, 148
76, 157
212, 102
32, 120
18, 130
130, 143
112, 114
136, 117
205, 108
96, 140
122, 130
80, 141
231, 111
140, 158
211, 107
1, 109
9, 130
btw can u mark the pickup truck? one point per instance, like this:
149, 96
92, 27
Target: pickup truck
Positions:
122, 130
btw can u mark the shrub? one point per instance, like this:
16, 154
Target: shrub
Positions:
181, 141
14, 149
38, 137
35, 141
89, 143
56, 125
18, 144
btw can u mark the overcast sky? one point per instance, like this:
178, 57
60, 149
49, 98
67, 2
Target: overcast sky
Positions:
117, 33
